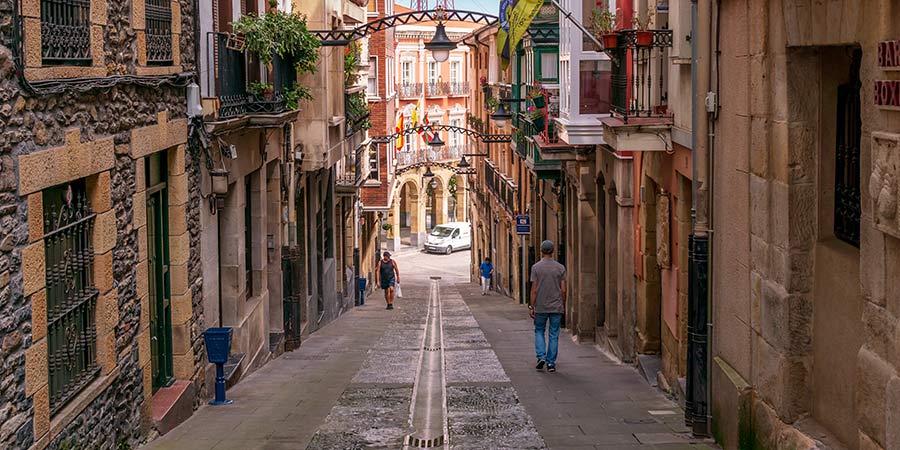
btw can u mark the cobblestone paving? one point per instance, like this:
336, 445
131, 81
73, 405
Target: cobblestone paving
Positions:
349, 386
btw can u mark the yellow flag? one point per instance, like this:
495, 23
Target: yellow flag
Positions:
399, 131
519, 17
415, 116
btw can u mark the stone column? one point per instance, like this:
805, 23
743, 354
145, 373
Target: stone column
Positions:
393, 235
417, 218
441, 197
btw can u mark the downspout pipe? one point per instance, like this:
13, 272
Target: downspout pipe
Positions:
697, 392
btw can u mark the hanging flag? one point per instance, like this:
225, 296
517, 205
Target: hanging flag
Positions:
519, 15
399, 131
503, 32
415, 116
426, 133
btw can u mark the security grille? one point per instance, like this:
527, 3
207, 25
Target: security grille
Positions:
846, 184
66, 32
159, 32
71, 295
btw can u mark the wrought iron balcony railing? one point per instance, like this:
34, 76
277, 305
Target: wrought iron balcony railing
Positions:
353, 168
437, 89
356, 111
231, 86
410, 90
638, 84
502, 187
459, 89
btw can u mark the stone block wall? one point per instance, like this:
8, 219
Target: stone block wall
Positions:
54, 138
772, 180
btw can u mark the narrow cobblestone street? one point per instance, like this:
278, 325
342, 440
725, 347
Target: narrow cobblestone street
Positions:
350, 385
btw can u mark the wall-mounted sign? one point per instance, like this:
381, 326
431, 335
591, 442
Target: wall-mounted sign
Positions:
889, 55
887, 94
523, 224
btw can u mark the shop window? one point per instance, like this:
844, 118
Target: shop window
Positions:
66, 32
849, 130
159, 32
71, 294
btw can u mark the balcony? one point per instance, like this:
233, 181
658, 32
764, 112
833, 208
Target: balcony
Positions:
268, 105
410, 90
503, 188
447, 154
356, 111
541, 148
353, 169
437, 89
459, 89
640, 119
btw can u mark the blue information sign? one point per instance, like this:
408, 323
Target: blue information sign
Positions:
523, 224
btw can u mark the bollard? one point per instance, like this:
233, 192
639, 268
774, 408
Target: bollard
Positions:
362, 291
218, 347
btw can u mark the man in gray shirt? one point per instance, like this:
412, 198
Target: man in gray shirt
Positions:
548, 303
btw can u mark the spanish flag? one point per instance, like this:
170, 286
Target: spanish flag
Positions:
515, 17
399, 131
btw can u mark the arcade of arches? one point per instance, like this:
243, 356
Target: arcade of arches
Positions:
421, 203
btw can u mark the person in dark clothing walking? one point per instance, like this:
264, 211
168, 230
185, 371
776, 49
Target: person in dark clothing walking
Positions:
548, 303
387, 275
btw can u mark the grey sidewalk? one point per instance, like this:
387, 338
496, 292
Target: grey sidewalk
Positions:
591, 402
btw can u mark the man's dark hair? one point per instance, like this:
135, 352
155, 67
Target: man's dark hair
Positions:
487, 259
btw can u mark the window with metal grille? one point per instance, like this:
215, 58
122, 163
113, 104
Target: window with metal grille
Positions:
71, 295
66, 32
846, 182
159, 32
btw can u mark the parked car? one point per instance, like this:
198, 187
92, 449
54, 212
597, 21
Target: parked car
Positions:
448, 237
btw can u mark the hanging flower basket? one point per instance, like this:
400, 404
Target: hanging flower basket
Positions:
610, 40
539, 102
643, 38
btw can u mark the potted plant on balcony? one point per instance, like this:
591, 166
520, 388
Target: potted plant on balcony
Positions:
643, 37
603, 24
536, 117
536, 95
491, 103
261, 91
352, 54
279, 33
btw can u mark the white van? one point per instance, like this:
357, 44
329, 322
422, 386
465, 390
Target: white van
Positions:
448, 237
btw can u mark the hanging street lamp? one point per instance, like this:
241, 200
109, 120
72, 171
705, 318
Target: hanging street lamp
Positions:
440, 44
463, 164
501, 115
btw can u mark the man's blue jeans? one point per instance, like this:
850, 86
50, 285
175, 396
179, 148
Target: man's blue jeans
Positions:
548, 351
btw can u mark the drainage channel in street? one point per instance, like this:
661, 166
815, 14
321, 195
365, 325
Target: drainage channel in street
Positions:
428, 410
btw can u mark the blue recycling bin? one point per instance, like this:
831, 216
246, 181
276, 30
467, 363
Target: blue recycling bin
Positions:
218, 348
362, 291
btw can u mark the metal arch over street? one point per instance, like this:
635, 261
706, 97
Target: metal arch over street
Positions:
486, 138
419, 165
336, 38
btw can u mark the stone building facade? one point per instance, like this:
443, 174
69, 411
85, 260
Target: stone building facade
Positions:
83, 122
804, 284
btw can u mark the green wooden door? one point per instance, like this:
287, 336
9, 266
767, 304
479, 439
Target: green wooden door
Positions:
158, 265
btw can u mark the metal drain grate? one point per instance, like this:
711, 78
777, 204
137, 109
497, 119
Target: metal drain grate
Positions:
432, 349
425, 443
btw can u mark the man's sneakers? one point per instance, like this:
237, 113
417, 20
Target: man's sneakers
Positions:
389, 306
540, 364
551, 368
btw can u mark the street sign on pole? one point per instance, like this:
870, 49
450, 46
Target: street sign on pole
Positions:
523, 224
